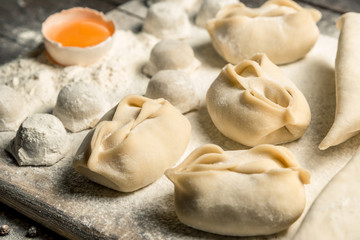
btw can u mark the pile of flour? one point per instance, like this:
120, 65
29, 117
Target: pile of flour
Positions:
116, 75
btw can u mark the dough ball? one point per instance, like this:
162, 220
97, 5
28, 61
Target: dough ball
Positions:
209, 9
40, 141
79, 106
239, 193
167, 20
190, 6
171, 54
282, 29
12, 109
176, 87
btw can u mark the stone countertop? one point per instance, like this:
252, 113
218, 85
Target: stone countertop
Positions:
20, 23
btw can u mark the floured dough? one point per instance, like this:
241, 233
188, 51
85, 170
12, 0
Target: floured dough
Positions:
209, 9
282, 29
40, 141
133, 144
167, 20
347, 73
176, 87
240, 193
254, 103
171, 54
79, 106
12, 109
335, 213
190, 6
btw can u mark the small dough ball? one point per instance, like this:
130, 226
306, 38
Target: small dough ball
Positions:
190, 6
12, 109
176, 87
167, 20
171, 54
40, 141
209, 9
79, 106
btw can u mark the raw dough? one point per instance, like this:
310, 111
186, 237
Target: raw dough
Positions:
12, 109
40, 141
176, 87
209, 9
347, 75
133, 144
80, 105
254, 103
171, 54
167, 20
335, 213
282, 29
190, 6
240, 193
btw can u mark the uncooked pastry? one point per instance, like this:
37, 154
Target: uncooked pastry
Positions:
133, 144
254, 103
167, 20
190, 6
240, 193
347, 73
176, 87
79, 106
335, 213
209, 9
40, 141
171, 54
12, 109
282, 29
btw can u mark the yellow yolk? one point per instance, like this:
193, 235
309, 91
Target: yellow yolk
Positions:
81, 33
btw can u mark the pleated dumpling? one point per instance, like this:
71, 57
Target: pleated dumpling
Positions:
239, 193
282, 29
255, 103
347, 73
133, 144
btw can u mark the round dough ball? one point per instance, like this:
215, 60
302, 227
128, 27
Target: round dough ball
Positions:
12, 109
171, 54
167, 20
190, 6
176, 87
209, 9
40, 141
79, 106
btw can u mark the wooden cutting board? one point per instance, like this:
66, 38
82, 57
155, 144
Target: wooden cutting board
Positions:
71, 205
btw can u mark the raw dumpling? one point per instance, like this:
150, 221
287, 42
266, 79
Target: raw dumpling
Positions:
176, 87
167, 20
171, 54
133, 144
190, 6
254, 103
12, 109
347, 75
40, 141
209, 9
79, 106
240, 193
282, 29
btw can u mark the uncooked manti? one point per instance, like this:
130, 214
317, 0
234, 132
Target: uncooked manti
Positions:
255, 103
133, 144
347, 75
282, 29
240, 193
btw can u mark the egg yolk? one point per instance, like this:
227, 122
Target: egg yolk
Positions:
80, 33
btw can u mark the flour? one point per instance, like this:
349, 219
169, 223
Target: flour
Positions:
118, 74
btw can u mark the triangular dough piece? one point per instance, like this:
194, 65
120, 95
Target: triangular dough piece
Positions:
347, 75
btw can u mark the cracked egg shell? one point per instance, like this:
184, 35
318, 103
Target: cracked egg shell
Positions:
77, 36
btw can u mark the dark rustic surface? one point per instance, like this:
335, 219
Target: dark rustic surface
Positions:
19, 16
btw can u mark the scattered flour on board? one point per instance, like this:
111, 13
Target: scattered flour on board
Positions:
116, 75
